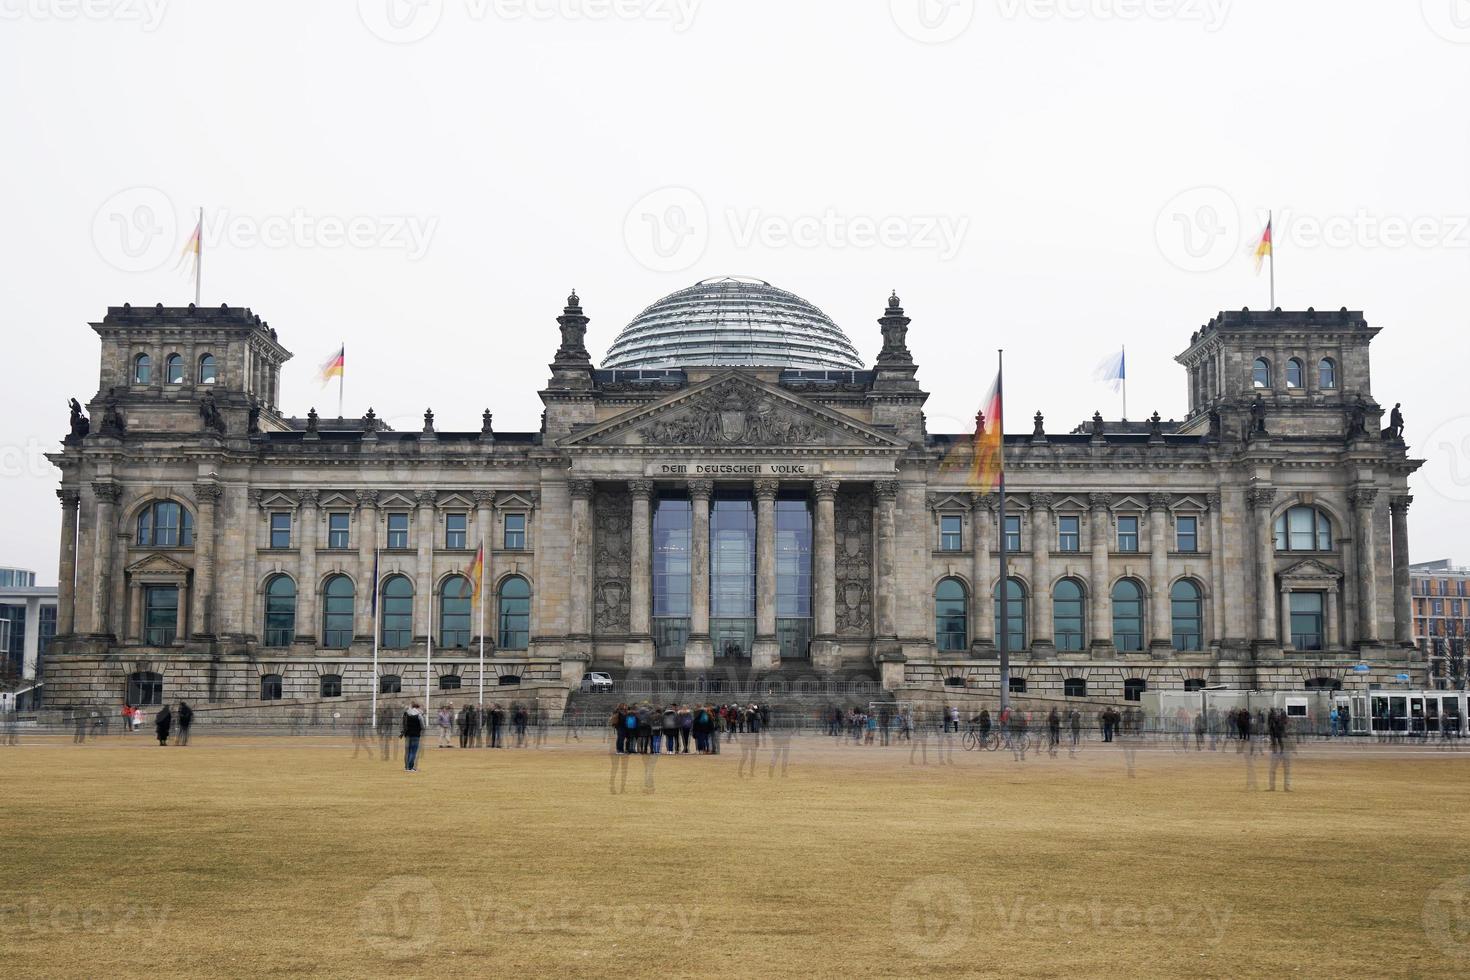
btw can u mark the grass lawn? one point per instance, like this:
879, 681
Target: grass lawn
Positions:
286, 856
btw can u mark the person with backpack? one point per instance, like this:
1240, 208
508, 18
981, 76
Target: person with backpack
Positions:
411, 730
186, 719
686, 726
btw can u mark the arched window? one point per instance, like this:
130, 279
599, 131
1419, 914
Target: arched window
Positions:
396, 612
1296, 373
1133, 688
1324, 684
1194, 683
1261, 373
142, 369
1010, 614
165, 524
173, 369
145, 687
454, 612
1327, 373
280, 611
337, 603
390, 684
270, 687
1186, 612
449, 682
515, 614
1067, 614
207, 371
1127, 616
331, 685
1075, 687
951, 632
1303, 529
1018, 685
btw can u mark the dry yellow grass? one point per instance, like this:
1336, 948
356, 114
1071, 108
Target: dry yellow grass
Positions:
238, 857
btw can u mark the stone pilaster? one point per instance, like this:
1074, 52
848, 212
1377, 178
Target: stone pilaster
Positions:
1261, 500
1160, 633
485, 528
106, 495
825, 651
982, 511
1100, 599
1043, 533
699, 652
207, 495
307, 589
1403, 622
1362, 499
367, 545
581, 577
423, 584
1218, 592
640, 652
67, 566
885, 506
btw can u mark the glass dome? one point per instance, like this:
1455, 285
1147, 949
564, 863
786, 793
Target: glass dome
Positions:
733, 321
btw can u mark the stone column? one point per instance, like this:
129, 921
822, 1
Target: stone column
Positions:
423, 583
67, 567
485, 527
1043, 532
699, 651
825, 651
885, 572
252, 608
766, 652
1161, 639
308, 588
1216, 630
982, 512
581, 576
207, 496
1334, 638
107, 495
1403, 614
1261, 499
367, 546
640, 571
1362, 499
134, 631
1100, 596
181, 623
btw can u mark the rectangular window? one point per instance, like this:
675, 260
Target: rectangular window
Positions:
1306, 620
455, 526
1069, 533
160, 614
1186, 535
950, 534
1013, 533
337, 533
1127, 534
398, 531
515, 532
280, 530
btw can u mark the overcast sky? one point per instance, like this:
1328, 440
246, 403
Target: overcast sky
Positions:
426, 180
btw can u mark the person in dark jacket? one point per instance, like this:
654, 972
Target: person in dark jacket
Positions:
163, 724
186, 718
497, 722
411, 731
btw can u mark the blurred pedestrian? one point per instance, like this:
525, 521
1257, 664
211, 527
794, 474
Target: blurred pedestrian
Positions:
186, 721
411, 731
163, 724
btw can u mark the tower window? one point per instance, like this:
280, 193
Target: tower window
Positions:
1261, 373
1295, 373
207, 371
1327, 373
142, 369
173, 369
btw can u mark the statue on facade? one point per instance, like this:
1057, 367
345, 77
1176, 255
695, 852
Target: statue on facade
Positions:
1358, 418
80, 425
209, 412
428, 420
979, 423
487, 423
1395, 428
370, 421
1156, 426
312, 419
1216, 424
1097, 424
1258, 416
112, 420
252, 418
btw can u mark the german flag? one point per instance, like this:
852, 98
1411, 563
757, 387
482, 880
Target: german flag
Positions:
982, 464
333, 366
1263, 247
477, 572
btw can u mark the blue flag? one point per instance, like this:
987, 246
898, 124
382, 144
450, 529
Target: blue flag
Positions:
1112, 371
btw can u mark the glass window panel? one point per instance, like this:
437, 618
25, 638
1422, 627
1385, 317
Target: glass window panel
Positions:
207, 373
1013, 533
1306, 620
793, 542
1186, 611
1187, 534
160, 614
951, 632
337, 608
950, 533
1069, 533
1127, 534
1068, 615
455, 528
398, 531
1327, 373
1127, 616
338, 530
280, 612
455, 613
174, 369
515, 532
396, 613
143, 369
1294, 373
515, 614
280, 530
1261, 373
1010, 615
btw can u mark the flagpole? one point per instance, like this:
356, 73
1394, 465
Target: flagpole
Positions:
1002, 634
1270, 226
429, 655
482, 619
341, 379
199, 257
376, 613
1123, 370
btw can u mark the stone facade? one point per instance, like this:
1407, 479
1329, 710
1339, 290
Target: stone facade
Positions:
1278, 502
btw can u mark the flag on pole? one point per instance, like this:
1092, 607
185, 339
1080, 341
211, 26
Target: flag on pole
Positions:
1113, 370
982, 463
477, 572
190, 251
1263, 247
334, 366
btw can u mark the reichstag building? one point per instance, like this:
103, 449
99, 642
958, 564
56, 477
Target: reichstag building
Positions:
731, 487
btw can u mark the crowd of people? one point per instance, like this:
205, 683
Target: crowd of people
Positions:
648, 729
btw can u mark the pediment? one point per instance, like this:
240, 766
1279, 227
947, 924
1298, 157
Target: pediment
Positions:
1189, 502
157, 565
336, 500
514, 499
1311, 569
277, 500
733, 410
1129, 503
456, 501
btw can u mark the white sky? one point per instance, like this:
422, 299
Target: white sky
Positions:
1059, 143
